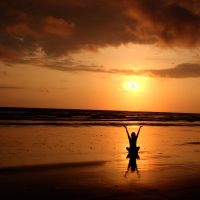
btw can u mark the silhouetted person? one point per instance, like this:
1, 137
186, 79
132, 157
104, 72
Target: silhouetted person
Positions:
133, 140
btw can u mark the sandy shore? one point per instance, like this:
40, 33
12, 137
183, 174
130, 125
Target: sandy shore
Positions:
90, 180
91, 163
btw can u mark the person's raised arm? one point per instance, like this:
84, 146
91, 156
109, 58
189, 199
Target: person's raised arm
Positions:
127, 132
138, 131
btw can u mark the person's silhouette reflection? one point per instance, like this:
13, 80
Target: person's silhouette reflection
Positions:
132, 165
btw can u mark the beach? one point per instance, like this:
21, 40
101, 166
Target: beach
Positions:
89, 162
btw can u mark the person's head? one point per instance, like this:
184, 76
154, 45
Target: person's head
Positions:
133, 134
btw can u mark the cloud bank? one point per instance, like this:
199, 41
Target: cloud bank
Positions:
41, 32
186, 70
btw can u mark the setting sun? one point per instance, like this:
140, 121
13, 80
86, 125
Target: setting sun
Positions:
134, 85
130, 85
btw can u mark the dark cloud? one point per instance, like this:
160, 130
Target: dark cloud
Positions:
77, 68
11, 87
186, 70
171, 22
40, 32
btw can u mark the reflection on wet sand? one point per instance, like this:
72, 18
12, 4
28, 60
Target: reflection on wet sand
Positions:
132, 165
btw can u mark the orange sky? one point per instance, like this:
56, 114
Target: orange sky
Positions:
86, 54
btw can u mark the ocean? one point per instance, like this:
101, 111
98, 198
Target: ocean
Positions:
77, 117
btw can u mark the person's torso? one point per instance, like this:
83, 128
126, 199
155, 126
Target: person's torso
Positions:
132, 142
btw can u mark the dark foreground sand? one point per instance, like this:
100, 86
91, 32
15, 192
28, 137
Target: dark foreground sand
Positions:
89, 180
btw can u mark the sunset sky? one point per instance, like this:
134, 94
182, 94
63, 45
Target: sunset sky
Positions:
137, 55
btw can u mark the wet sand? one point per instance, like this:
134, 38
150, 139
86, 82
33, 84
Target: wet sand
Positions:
92, 181
91, 163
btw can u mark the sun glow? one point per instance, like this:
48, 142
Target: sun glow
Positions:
134, 85
130, 85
